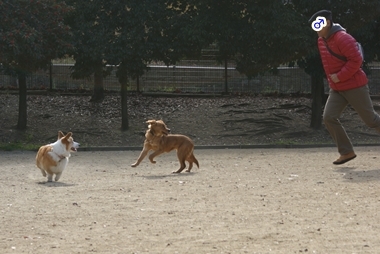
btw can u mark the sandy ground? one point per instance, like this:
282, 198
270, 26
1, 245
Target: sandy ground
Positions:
239, 201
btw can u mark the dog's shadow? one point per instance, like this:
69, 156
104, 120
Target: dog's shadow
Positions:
350, 174
155, 177
56, 184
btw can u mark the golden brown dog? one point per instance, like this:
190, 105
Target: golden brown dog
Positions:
158, 139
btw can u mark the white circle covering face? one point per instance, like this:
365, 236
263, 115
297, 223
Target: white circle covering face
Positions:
319, 23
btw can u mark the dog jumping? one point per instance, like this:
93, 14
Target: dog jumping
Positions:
158, 139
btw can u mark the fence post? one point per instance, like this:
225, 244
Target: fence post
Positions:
51, 76
138, 84
225, 76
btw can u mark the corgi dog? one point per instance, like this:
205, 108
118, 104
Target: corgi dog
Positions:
53, 158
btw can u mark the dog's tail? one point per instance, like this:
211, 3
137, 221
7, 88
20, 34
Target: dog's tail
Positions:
192, 157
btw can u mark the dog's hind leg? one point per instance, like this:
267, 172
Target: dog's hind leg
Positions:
182, 162
183, 166
190, 166
192, 159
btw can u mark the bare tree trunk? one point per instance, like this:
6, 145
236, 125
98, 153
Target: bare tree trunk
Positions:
51, 76
318, 99
138, 84
22, 106
98, 95
124, 106
226, 76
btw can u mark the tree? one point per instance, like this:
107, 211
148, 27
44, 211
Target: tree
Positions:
272, 36
93, 31
148, 31
361, 19
222, 23
129, 34
257, 35
32, 34
312, 65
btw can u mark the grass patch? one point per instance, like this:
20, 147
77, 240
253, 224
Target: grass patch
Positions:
297, 142
18, 146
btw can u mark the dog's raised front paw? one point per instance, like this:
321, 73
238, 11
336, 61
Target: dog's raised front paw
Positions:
134, 165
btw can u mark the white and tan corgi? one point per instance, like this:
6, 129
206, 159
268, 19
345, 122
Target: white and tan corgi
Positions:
53, 158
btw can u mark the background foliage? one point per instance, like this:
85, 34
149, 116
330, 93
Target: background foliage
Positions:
129, 34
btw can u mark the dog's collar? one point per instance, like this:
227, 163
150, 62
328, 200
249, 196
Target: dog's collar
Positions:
151, 132
61, 157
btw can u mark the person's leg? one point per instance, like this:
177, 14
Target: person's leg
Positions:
334, 107
361, 101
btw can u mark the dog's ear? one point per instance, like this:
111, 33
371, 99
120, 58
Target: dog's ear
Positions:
68, 135
60, 134
151, 121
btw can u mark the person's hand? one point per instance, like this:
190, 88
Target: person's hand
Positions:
334, 78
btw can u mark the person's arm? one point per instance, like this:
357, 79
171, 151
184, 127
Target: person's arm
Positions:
348, 47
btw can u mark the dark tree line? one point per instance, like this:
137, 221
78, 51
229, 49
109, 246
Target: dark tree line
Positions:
258, 35
32, 33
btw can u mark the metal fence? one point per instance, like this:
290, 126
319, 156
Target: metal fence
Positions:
187, 77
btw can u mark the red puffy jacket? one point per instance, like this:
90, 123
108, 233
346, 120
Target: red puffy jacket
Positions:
349, 73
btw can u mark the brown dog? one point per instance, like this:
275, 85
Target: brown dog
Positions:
158, 139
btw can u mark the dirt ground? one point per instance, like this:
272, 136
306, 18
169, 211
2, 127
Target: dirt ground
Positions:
226, 120
239, 201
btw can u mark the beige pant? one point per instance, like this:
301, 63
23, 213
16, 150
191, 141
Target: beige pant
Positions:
360, 100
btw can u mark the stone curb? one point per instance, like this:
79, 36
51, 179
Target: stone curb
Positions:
138, 148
